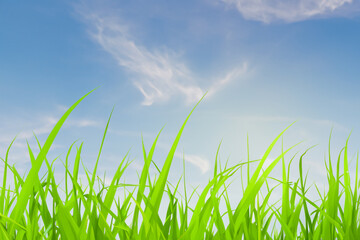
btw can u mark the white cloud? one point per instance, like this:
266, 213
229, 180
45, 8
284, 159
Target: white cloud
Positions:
290, 11
38, 126
229, 77
48, 123
83, 123
158, 75
200, 162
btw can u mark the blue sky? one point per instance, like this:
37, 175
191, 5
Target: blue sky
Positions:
264, 64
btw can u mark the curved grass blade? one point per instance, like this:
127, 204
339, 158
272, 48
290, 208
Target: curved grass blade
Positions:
158, 190
29, 181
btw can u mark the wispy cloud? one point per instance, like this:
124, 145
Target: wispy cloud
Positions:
229, 77
82, 123
290, 11
48, 123
200, 162
40, 126
45, 127
158, 74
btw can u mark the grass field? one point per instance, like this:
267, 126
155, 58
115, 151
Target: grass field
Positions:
34, 208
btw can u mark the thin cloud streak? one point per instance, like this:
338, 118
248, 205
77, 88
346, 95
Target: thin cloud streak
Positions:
44, 126
200, 162
289, 11
83, 123
229, 77
158, 75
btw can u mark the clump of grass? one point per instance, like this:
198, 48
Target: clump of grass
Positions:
33, 207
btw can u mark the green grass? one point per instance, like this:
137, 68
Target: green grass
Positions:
35, 207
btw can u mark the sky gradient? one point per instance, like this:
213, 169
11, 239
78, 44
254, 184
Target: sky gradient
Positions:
263, 64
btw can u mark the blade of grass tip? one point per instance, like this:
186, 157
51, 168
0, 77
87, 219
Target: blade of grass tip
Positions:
184, 213
203, 208
285, 189
228, 232
29, 181
48, 183
115, 181
325, 215
109, 197
143, 177
17, 178
302, 188
292, 197
67, 166
347, 189
143, 146
259, 220
67, 226
174, 230
2, 196
45, 213
330, 166
248, 158
216, 159
185, 192
92, 181
77, 163
87, 211
290, 165
332, 202
284, 225
295, 218
253, 189
76, 211
170, 224
248, 168
355, 196
157, 193
98, 157
268, 150
146, 225
17, 181
330, 142
255, 184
